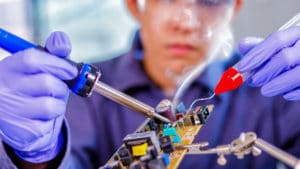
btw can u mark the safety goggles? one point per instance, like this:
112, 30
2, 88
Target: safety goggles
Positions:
204, 17
200, 2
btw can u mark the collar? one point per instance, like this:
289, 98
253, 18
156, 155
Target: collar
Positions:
129, 72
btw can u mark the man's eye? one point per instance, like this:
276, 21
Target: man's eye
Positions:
201, 2
213, 2
167, 1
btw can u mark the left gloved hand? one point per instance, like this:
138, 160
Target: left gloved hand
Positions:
33, 99
275, 62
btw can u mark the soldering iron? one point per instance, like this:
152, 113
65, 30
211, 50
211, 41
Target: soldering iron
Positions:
87, 79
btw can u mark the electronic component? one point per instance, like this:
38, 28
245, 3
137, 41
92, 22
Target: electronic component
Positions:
198, 115
125, 156
153, 144
166, 144
171, 131
138, 143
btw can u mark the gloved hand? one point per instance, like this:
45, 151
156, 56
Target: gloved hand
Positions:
248, 43
275, 62
33, 99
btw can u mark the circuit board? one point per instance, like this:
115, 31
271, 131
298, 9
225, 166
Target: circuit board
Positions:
153, 145
187, 134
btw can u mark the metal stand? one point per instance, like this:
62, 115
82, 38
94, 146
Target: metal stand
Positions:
246, 143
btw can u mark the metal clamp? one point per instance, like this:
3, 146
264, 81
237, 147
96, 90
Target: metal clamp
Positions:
245, 144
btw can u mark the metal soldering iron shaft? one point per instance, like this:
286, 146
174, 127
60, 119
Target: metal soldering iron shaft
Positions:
127, 101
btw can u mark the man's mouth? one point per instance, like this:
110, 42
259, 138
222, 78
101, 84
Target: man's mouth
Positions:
180, 49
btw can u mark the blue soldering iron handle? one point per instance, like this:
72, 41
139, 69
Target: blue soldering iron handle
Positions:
12, 44
82, 84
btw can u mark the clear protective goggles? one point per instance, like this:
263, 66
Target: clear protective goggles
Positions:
203, 17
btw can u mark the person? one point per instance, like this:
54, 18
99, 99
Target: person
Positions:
41, 127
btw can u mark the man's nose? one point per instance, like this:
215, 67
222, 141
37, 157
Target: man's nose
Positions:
186, 18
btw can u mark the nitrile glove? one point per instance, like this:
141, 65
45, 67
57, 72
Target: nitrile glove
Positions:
275, 62
248, 43
33, 99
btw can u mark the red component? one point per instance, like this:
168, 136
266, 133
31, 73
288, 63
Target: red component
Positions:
179, 116
230, 80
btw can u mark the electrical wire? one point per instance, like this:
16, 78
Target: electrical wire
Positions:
201, 99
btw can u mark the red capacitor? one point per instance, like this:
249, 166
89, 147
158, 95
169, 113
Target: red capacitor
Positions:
230, 80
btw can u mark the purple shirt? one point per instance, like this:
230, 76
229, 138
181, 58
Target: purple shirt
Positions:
98, 125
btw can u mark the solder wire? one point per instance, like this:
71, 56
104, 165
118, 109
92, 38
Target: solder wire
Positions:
201, 99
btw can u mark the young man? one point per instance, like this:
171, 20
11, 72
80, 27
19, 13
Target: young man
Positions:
175, 35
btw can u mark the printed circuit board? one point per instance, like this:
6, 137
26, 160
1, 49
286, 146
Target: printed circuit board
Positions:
155, 144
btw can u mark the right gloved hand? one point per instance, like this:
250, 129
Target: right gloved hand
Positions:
33, 99
246, 44
275, 62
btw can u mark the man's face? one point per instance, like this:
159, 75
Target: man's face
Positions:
177, 34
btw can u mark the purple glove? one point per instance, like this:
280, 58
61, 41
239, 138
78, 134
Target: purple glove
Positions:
33, 99
276, 64
248, 43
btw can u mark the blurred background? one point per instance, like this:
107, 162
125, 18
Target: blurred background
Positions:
101, 29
